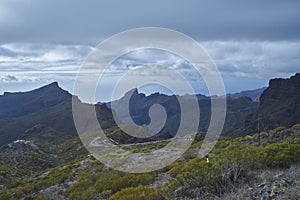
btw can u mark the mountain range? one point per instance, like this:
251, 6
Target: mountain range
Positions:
238, 108
50, 106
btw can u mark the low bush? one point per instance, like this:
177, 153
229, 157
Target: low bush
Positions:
136, 193
296, 126
280, 128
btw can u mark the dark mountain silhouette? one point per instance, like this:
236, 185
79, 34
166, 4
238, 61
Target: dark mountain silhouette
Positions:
237, 110
279, 105
22, 103
49, 106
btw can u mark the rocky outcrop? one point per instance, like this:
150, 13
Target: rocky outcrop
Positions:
279, 105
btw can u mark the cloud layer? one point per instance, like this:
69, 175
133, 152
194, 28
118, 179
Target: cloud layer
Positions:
250, 41
255, 62
255, 59
78, 22
32, 60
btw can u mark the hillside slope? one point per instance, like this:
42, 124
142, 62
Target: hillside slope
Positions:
237, 169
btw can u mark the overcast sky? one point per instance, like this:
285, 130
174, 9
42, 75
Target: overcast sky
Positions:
47, 40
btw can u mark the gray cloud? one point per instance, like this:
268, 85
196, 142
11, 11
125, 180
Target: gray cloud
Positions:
26, 66
44, 41
31, 58
79, 22
8, 78
241, 59
255, 59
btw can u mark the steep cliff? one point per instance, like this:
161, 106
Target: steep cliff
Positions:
279, 105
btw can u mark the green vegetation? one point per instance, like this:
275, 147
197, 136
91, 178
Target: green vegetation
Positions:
196, 174
232, 164
112, 181
137, 193
280, 128
233, 161
296, 126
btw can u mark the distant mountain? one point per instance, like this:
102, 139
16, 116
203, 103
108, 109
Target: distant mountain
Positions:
22, 103
252, 94
49, 106
238, 109
199, 97
279, 105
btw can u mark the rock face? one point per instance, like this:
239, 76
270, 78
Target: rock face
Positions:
279, 105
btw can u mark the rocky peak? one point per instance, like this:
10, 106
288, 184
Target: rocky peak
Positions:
280, 89
279, 105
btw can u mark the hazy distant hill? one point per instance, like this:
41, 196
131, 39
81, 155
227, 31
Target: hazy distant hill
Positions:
253, 94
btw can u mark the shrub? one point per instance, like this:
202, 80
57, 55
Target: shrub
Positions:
281, 155
81, 186
199, 173
117, 181
237, 163
137, 193
296, 126
175, 168
280, 128
5, 195
84, 194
